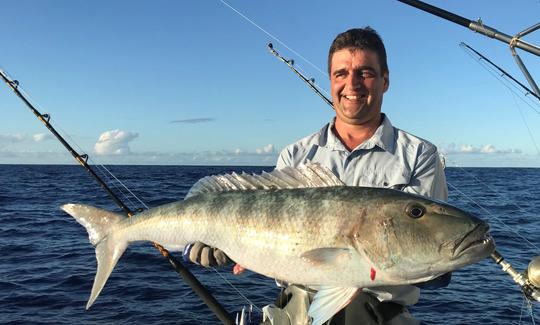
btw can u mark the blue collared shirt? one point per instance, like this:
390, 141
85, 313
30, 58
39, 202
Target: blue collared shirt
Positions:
391, 158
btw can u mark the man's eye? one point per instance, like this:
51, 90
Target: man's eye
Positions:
367, 74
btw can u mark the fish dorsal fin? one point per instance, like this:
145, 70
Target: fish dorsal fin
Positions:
308, 175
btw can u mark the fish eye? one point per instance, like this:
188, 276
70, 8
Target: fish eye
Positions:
415, 211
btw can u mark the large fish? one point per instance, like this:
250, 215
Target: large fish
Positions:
301, 226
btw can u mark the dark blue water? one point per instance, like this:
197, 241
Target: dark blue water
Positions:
47, 264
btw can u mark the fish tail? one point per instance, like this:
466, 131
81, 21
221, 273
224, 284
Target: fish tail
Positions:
100, 225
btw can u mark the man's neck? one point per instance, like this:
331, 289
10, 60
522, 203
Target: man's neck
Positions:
353, 135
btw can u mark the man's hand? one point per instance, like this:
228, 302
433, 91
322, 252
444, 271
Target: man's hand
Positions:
205, 255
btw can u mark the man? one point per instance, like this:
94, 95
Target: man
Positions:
362, 148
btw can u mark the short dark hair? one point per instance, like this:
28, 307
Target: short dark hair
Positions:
359, 38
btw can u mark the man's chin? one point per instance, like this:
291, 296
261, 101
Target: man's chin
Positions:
360, 117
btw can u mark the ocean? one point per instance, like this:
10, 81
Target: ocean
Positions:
47, 265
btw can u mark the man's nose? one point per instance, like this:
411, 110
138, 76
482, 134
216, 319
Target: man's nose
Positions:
355, 81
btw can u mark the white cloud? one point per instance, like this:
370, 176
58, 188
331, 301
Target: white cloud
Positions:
18, 138
39, 137
487, 149
269, 148
114, 142
265, 156
12, 138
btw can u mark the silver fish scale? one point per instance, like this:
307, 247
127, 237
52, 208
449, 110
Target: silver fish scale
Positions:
253, 227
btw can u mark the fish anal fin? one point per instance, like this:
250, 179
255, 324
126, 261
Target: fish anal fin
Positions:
328, 301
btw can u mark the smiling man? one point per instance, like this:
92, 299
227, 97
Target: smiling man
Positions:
362, 148
358, 83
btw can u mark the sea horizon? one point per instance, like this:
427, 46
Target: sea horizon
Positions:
225, 165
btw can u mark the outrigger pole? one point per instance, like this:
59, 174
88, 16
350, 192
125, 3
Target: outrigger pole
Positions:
184, 273
504, 73
478, 26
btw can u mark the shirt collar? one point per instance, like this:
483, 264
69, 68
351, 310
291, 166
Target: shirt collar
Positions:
383, 137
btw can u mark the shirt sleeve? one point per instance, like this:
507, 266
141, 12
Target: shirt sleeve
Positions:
428, 178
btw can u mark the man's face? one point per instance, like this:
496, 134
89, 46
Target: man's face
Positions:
357, 85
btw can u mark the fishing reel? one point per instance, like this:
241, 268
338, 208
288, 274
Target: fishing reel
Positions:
528, 280
533, 275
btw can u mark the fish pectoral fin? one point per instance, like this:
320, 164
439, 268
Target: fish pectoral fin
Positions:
328, 301
327, 255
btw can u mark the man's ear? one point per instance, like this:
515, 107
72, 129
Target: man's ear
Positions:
386, 76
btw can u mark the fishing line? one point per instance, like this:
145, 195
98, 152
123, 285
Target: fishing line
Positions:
108, 174
124, 186
523, 306
273, 37
526, 302
511, 86
530, 309
110, 178
520, 209
237, 290
527, 305
526, 124
495, 217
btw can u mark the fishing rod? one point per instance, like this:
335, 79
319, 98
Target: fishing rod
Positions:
502, 71
479, 27
184, 273
310, 82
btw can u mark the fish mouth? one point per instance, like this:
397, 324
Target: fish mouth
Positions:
476, 242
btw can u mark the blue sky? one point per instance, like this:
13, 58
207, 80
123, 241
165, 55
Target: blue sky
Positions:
191, 82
